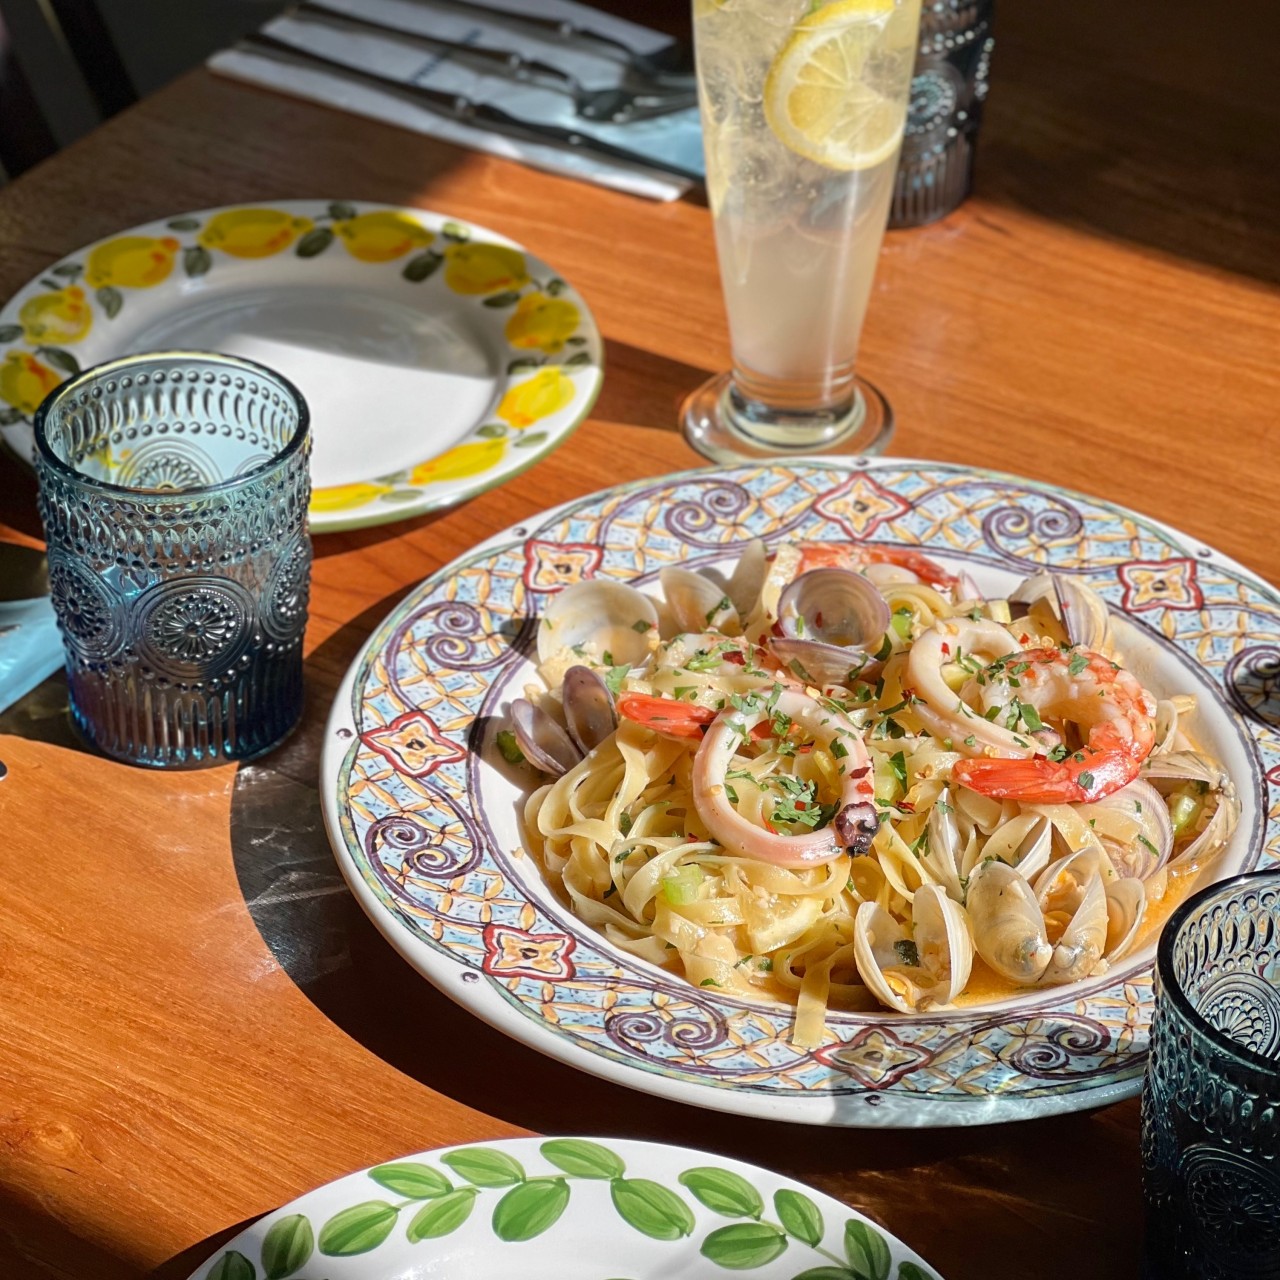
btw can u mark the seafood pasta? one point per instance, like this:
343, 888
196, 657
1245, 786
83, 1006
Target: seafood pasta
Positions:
841, 777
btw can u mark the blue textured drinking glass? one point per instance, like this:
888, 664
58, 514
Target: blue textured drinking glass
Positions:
174, 490
1211, 1102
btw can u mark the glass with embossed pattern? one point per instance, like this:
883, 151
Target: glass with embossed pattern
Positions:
174, 490
1211, 1101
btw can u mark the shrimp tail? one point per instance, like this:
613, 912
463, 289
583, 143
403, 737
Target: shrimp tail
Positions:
666, 716
1084, 777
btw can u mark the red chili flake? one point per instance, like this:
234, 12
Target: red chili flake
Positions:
801, 806
736, 657
804, 751
946, 648
860, 773
777, 629
817, 619
771, 827
906, 806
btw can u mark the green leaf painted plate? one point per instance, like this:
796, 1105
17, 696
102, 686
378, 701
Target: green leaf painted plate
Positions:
438, 359
573, 1208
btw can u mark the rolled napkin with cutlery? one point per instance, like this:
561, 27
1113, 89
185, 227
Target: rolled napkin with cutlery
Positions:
551, 83
30, 646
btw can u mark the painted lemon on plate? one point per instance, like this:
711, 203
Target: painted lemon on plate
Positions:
461, 461
541, 323
382, 236
544, 394
24, 381
342, 497
484, 268
63, 316
253, 233
135, 262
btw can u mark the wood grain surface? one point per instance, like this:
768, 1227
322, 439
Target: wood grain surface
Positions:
196, 1021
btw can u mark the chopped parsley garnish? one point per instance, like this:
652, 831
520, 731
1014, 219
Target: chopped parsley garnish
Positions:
706, 660
642, 626
797, 670
607, 658
1086, 780
1058, 753
971, 741
1149, 845
884, 650
1077, 664
894, 729
920, 842
708, 982
991, 715
766, 964
1031, 717
799, 805
721, 605
614, 677
838, 749
907, 952
625, 823
731, 793
898, 763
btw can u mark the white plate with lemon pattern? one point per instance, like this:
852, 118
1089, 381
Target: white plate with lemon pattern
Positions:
438, 359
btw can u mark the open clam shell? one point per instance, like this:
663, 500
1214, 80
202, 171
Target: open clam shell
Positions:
1008, 926
1083, 613
832, 620
697, 603
589, 710
545, 744
598, 617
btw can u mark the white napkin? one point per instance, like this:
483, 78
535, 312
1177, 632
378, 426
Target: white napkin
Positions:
675, 139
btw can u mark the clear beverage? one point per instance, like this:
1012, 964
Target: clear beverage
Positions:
803, 107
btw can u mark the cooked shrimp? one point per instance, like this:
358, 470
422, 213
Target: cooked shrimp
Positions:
667, 716
1106, 703
857, 555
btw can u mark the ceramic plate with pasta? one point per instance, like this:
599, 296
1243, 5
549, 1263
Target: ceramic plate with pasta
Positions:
845, 795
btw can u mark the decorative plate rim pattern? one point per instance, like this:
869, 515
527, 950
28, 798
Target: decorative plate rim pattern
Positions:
518, 959
642, 1206
61, 318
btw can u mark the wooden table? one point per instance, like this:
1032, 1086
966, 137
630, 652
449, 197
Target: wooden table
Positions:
196, 1021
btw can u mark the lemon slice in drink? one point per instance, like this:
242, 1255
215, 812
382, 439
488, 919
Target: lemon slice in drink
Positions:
816, 96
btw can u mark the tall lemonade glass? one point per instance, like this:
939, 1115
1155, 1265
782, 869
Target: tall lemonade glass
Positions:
803, 106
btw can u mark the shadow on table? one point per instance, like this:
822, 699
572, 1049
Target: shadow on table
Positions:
321, 937
1094, 122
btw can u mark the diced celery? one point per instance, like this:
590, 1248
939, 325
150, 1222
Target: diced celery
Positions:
901, 623
1184, 810
681, 887
888, 790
